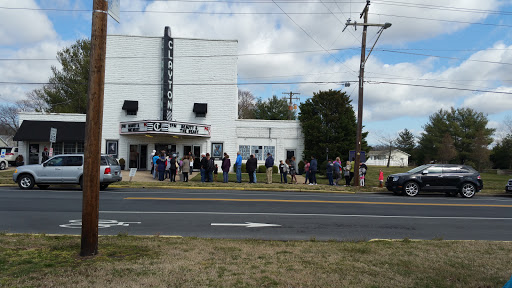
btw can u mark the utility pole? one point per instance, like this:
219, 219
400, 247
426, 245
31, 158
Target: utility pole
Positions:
365, 25
93, 130
290, 106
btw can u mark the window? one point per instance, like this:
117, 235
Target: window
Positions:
57, 161
74, 161
57, 148
245, 151
434, 170
69, 148
80, 147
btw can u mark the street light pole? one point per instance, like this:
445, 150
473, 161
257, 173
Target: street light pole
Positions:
359, 132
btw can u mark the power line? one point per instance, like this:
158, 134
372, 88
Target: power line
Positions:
335, 58
439, 87
439, 7
180, 84
443, 20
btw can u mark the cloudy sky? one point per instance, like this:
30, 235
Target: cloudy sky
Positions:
437, 53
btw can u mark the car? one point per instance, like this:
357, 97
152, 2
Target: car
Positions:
9, 154
449, 178
65, 169
3, 164
508, 187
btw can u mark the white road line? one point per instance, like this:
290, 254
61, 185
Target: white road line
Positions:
305, 215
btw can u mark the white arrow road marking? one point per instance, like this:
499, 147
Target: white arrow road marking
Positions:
247, 224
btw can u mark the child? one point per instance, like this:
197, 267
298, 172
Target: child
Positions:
381, 178
361, 176
215, 172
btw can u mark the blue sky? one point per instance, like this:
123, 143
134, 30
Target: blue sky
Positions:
37, 32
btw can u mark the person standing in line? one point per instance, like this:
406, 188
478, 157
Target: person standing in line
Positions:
251, 166
210, 165
204, 166
306, 169
363, 165
352, 164
281, 166
155, 157
269, 163
226, 165
173, 167
167, 167
313, 167
293, 170
238, 166
286, 169
160, 163
336, 171
152, 162
45, 155
255, 170
329, 170
361, 176
185, 168
215, 172
347, 173
381, 178
191, 159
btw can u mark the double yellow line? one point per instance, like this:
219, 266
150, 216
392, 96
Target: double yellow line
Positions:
319, 201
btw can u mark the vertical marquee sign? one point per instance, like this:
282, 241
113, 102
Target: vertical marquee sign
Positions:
168, 78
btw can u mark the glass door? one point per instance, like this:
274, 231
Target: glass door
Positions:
33, 156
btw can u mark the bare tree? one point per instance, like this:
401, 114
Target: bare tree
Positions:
246, 105
389, 143
9, 113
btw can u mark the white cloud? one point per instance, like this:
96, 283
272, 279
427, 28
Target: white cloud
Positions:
19, 27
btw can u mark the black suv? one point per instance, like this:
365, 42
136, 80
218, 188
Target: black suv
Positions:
452, 179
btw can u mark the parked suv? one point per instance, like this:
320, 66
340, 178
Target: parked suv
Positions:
508, 187
451, 179
65, 169
9, 154
3, 164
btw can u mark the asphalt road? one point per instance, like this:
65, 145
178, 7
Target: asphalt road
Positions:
229, 214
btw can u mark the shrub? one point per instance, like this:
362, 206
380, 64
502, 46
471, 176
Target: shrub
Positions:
243, 168
262, 169
275, 170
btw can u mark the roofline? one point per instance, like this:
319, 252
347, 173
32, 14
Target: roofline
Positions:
182, 38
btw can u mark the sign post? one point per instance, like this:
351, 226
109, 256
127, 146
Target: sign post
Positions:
132, 173
53, 139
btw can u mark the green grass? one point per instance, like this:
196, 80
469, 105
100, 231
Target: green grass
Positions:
128, 261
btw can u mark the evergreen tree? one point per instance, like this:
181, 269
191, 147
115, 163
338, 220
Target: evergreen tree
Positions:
501, 155
273, 109
406, 141
463, 125
67, 88
328, 122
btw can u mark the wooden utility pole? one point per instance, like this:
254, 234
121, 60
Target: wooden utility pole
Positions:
359, 137
93, 129
290, 106
360, 100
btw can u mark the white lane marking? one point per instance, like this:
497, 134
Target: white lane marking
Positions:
246, 224
102, 223
307, 215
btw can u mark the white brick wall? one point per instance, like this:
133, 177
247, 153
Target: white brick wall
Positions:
134, 72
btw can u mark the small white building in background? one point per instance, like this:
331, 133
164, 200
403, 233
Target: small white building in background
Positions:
162, 93
380, 158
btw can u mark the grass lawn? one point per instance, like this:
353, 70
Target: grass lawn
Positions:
129, 261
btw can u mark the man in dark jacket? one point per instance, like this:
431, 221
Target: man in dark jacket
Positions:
210, 166
269, 163
251, 166
172, 168
204, 166
313, 167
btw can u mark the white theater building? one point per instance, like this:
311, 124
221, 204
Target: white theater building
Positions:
164, 93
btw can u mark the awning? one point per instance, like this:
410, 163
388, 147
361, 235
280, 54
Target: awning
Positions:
31, 130
200, 108
131, 105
